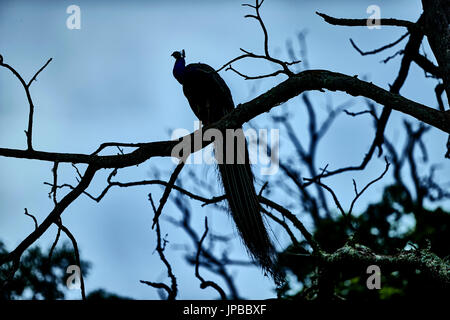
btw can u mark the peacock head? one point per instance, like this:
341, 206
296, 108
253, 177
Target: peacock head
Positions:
179, 66
178, 54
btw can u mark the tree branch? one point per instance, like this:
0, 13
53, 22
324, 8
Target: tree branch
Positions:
26, 86
203, 283
363, 22
294, 86
52, 217
423, 260
375, 51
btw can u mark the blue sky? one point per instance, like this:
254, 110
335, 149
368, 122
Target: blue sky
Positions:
112, 81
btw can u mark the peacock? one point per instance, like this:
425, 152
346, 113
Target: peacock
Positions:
210, 99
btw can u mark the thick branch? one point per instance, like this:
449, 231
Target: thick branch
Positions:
292, 87
422, 260
52, 217
437, 19
363, 22
323, 79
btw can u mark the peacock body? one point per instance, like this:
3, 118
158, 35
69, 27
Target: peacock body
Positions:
210, 99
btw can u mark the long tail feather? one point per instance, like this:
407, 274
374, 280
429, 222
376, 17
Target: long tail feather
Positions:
245, 209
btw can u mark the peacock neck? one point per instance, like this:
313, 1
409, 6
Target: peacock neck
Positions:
178, 69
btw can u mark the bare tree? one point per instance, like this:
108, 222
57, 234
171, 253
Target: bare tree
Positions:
312, 194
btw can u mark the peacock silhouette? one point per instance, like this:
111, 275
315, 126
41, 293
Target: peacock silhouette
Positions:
210, 99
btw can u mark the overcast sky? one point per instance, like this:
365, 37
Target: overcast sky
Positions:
112, 81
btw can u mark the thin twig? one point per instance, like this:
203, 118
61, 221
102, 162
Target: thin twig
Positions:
117, 144
386, 60
297, 223
39, 71
375, 51
247, 54
354, 114
77, 171
26, 86
281, 223
32, 217
172, 290
213, 264
358, 194
246, 77
77, 256
335, 198
203, 283
167, 191
55, 182
55, 242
